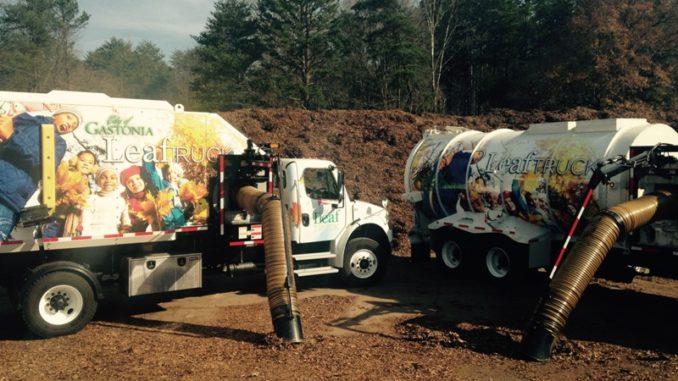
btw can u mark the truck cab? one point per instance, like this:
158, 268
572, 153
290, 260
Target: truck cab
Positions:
331, 233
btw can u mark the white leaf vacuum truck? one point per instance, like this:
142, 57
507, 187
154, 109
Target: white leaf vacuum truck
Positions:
505, 201
98, 191
509, 201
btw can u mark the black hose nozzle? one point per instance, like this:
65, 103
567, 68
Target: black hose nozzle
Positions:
289, 328
537, 343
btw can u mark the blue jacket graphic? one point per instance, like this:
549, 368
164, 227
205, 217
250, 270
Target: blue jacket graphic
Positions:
20, 160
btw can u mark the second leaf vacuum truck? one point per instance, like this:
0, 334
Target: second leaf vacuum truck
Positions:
511, 201
506, 200
98, 191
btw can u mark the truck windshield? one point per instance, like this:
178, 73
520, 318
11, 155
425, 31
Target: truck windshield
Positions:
320, 183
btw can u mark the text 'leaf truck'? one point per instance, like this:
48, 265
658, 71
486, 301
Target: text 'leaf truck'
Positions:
97, 190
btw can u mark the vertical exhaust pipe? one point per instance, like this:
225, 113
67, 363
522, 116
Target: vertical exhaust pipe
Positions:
280, 285
580, 266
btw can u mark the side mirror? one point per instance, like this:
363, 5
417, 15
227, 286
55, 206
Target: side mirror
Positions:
340, 184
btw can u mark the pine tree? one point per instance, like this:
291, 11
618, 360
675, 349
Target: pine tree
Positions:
385, 56
37, 38
125, 71
298, 46
226, 50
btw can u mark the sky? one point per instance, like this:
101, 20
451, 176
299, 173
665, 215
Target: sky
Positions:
169, 24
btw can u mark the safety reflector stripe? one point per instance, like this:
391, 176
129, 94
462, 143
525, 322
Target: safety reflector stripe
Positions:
553, 271
222, 195
192, 229
270, 175
256, 232
7, 243
246, 243
120, 235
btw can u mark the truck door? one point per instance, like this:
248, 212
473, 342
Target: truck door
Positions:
311, 195
289, 195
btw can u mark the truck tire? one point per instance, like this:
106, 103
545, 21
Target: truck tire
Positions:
364, 262
420, 252
451, 256
13, 294
453, 251
56, 304
505, 261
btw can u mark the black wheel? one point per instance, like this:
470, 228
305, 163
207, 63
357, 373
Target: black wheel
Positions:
453, 251
450, 256
56, 304
506, 261
364, 262
420, 252
13, 294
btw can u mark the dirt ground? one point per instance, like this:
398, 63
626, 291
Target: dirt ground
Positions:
416, 324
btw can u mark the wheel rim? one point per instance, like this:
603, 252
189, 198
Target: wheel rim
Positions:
60, 305
451, 254
363, 263
498, 262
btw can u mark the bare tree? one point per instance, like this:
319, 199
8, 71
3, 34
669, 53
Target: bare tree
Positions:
441, 22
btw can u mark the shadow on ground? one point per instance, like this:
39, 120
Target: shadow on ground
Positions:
464, 312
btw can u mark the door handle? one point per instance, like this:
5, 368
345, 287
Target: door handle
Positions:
305, 219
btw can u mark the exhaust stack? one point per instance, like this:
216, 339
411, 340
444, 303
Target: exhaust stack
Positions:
580, 266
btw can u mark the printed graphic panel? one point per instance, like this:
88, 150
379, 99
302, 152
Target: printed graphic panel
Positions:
450, 180
422, 172
541, 180
119, 169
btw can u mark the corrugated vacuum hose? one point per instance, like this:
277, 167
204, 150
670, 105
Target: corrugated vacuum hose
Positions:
580, 266
280, 285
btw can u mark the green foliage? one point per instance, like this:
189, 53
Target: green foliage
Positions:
297, 39
226, 50
125, 71
182, 75
37, 37
490, 51
563, 53
385, 64
458, 56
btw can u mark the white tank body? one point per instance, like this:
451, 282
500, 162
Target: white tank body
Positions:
538, 175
